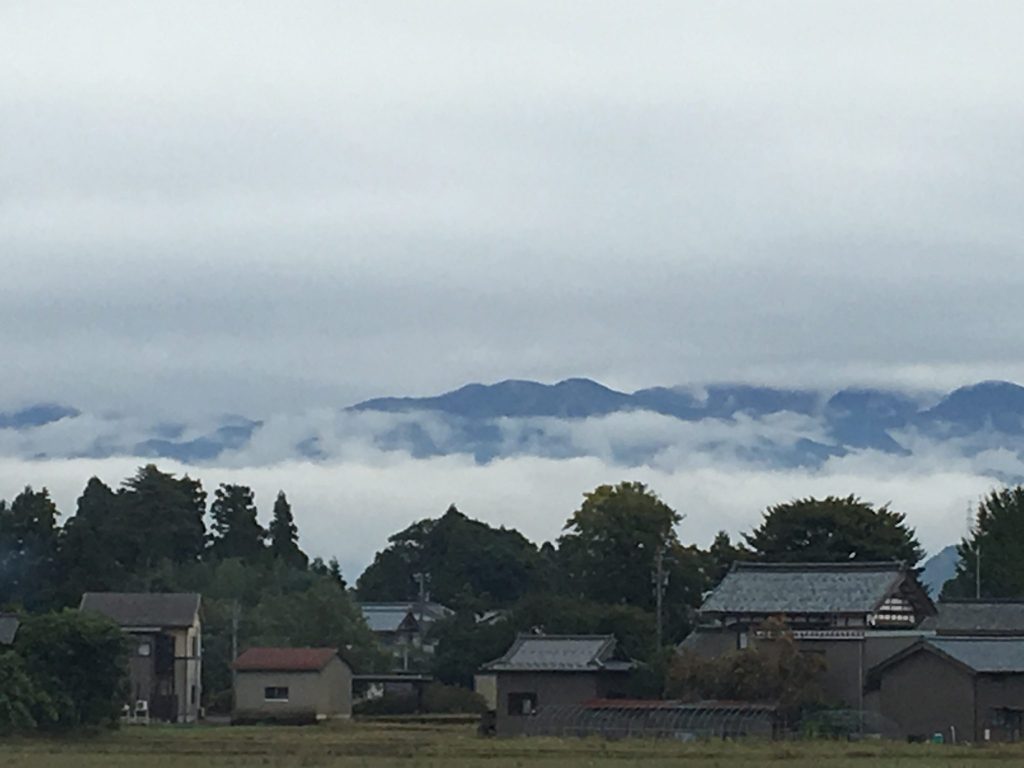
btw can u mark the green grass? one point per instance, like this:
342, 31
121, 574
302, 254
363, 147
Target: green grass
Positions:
346, 745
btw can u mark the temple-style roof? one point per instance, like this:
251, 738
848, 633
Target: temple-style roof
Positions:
812, 588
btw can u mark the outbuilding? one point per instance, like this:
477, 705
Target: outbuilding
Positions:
964, 688
293, 684
543, 674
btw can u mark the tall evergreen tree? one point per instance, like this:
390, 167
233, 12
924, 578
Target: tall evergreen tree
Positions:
998, 537
95, 543
28, 549
236, 530
284, 534
163, 518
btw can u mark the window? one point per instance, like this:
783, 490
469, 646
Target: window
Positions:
192, 695
742, 641
144, 649
195, 647
522, 703
275, 693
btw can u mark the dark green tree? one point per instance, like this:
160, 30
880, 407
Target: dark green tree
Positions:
79, 662
284, 534
999, 535
28, 550
95, 545
23, 707
469, 564
236, 530
162, 518
833, 530
611, 542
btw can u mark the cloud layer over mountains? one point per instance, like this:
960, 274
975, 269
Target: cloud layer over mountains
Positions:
521, 453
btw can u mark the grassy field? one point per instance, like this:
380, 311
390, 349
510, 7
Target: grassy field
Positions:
359, 744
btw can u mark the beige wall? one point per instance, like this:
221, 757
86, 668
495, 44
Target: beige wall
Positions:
327, 693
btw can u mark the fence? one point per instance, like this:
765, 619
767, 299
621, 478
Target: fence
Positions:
655, 719
686, 721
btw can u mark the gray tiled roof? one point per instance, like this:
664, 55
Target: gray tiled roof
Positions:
388, 617
978, 617
801, 588
559, 653
144, 609
987, 654
8, 628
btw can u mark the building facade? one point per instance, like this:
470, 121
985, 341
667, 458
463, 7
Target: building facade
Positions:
299, 684
962, 689
548, 672
854, 615
165, 665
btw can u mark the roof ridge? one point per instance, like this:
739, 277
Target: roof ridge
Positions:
850, 565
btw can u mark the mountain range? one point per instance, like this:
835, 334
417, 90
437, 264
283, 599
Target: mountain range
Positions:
767, 426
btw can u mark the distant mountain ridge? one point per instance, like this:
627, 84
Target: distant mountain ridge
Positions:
766, 426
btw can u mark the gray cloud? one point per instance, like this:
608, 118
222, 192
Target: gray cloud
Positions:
274, 207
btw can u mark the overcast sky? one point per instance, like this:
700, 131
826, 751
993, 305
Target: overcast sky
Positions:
275, 207
260, 206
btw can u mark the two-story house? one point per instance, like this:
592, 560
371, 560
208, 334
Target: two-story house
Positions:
165, 667
854, 614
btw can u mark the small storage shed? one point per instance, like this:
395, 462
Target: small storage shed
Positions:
292, 684
551, 673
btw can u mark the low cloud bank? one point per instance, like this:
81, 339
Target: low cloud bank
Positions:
347, 508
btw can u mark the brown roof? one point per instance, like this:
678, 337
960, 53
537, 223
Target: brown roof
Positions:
284, 659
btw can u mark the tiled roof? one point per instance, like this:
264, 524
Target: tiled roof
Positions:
388, 617
284, 659
983, 654
8, 628
802, 588
559, 653
978, 617
144, 609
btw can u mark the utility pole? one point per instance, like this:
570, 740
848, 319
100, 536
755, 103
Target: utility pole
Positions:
660, 579
236, 614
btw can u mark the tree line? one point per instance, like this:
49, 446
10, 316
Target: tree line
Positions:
156, 532
159, 532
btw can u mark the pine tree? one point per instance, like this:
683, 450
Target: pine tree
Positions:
284, 534
236, 531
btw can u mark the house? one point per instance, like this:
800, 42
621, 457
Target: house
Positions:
404, 626
965, 688
296, 684
165, 667
9, 623
548, 672
977, 618
854, 614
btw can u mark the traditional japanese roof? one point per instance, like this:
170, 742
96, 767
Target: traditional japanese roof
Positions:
981, 655
284, 659
390, 617
977, 617
9, 624
560, 653
809, 588
144, 609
